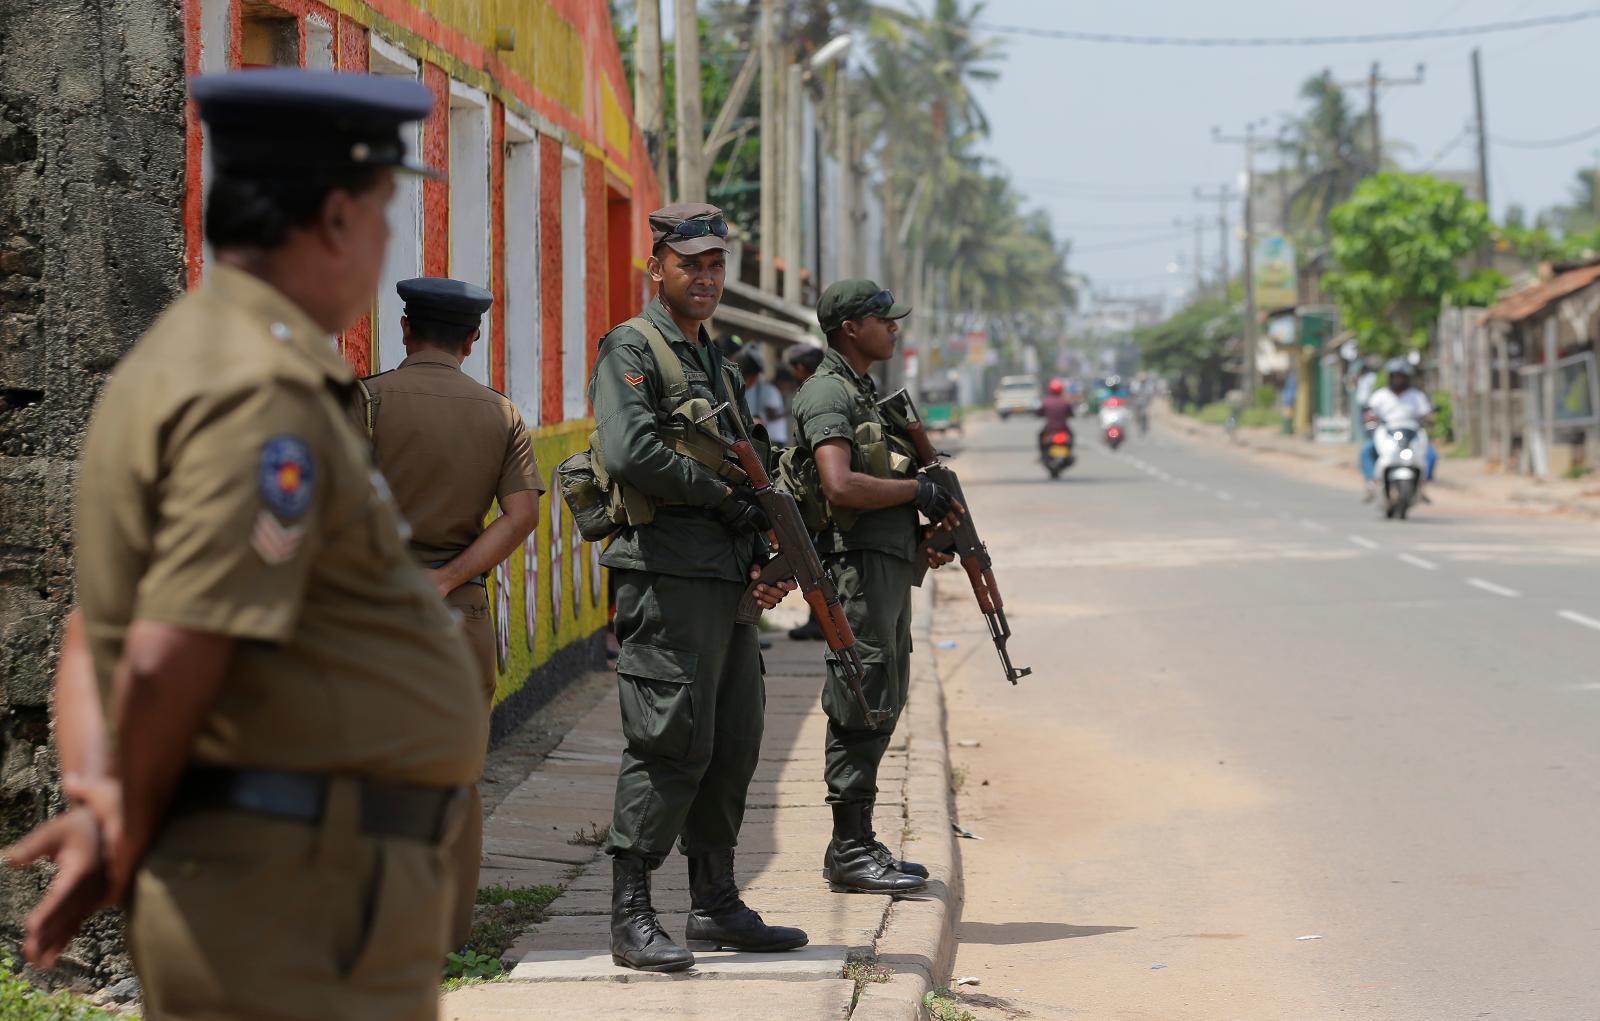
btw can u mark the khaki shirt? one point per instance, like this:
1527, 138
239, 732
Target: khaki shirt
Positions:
224, 489
686, 539
449, 447
829, 406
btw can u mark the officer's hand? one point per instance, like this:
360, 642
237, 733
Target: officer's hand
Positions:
102, 797
441, 584
742, 512
73, 842
770, 595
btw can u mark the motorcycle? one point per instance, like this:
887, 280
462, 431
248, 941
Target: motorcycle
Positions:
1055, 450
1114, 421
1401, 468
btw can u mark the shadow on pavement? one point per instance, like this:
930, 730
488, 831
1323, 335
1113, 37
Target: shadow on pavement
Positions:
1004, 934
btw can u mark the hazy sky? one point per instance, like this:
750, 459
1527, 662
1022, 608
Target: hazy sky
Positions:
1113, 139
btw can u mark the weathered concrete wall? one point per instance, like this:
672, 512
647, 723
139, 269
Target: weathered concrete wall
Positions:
91, 249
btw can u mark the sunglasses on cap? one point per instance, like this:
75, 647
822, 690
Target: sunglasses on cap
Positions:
698, 228
876, 305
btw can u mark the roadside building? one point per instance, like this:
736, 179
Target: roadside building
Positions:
103, 167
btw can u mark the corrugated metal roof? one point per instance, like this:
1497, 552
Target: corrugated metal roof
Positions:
1535, 299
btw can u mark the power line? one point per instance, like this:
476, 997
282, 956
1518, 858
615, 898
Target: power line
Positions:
1361, 39
1447, 148
1547, 143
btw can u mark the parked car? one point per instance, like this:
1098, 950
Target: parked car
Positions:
1017, 395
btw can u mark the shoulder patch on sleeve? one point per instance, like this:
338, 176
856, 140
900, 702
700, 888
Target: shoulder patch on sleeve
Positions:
285, 475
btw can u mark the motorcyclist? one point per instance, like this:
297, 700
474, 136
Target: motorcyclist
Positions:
1398, 405
1055, 409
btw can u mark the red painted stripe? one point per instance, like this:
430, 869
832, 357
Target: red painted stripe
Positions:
436, 194
193, 173
550, 280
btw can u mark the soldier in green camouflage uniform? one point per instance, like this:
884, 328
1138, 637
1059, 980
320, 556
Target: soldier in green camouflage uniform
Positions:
692, 693
873, 494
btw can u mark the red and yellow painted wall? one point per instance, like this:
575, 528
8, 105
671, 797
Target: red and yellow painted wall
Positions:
551, 66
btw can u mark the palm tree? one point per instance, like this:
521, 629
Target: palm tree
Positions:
1326, 151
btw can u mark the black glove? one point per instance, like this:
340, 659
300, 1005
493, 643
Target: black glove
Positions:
742, 512
933, 500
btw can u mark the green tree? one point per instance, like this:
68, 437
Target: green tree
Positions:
1399, 244
1190, 349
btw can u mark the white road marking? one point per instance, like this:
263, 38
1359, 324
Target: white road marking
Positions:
1314, 526
1416, 561
1489, 586
1200, 488
1578, 618
1364, 542
1585, 686
1224, 496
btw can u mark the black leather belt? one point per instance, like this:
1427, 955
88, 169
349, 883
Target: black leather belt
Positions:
482, 579
387, 809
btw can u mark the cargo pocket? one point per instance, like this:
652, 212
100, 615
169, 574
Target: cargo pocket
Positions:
657, 693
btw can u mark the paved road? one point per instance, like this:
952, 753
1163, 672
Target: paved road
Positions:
1261, 713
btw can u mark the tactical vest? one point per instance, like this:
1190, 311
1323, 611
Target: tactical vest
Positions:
879, 451
676, 415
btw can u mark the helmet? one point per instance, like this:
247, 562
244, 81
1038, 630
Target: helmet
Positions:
1057, 387
1397, 365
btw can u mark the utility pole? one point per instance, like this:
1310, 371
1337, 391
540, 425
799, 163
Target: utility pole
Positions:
793, 146
1222, 197
770, 142
691, 129
1249, 140
1374, 81
1483, 128
1486, 250
649, 94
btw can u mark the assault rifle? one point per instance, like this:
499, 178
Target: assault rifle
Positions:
795, 558
963, 540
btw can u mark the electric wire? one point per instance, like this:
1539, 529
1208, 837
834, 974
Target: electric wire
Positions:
1353, 39
1545, 143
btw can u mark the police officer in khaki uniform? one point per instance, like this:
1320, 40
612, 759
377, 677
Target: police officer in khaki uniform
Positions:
293, 711
689, 674
871, 546
451, 448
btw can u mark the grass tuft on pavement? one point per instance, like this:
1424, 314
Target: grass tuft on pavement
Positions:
941, 1005
863, 969
20, 1001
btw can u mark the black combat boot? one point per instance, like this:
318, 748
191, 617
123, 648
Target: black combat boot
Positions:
719, 920
858, 864
637, 939
910, 868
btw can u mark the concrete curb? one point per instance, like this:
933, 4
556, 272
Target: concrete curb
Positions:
918, 941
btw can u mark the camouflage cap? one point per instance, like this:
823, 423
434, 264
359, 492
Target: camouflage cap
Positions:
856, 299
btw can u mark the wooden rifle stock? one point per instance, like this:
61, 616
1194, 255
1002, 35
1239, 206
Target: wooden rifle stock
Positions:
794, 558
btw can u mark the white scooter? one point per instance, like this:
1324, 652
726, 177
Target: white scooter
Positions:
1402, 465
1114, 421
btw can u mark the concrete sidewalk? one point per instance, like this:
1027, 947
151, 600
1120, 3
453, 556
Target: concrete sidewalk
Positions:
563, 968
1472, 478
